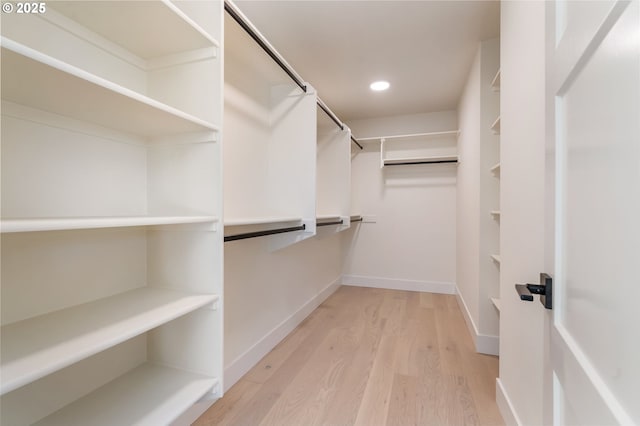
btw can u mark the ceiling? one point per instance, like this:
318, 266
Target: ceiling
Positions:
423, 48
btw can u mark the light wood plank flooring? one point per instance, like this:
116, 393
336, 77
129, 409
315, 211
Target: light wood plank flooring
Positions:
369, 357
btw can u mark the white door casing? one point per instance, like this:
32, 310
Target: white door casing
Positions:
593, 186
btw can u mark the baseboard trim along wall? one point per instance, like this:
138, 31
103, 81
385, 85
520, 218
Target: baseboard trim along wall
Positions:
505, 406
489, 345
398, 284
241, 365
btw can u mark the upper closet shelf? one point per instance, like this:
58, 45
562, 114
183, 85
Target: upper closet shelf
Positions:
147, 395
38, 346
138, 26
495, 127
495, 83
260, 220
61, 224
40, 81
412, 136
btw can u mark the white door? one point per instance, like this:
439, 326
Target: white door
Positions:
593, 178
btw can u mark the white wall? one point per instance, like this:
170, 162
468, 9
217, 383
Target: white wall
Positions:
411, 245
267, 294
522, 204
478, 195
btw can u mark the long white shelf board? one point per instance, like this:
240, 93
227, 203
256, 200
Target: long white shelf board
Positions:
28, 75
61, 224
416, 136
261, 220
148, 29
496, 302
496, 258
38, 346
148, 395
420, 160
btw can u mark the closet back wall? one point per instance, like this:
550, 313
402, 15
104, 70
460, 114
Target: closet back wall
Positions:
412, 244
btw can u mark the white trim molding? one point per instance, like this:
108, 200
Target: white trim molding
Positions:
489, 345
399, 284
505, 406
242, 364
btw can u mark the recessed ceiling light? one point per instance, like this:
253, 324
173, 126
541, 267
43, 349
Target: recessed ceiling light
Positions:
379, 85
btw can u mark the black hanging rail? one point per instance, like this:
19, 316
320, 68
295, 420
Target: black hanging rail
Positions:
356, 219
356, 142
237, 16
331, 115
403, 163
336, 222
256, 234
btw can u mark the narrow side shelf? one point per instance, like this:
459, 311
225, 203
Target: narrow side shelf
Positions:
61, 224
496, 258
149, 395
27, 74
495, 127
420, 160
496, 302
38, 346
495, 169
495, 214
495, 83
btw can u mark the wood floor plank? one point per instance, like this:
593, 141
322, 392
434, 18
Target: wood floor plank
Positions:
369, 357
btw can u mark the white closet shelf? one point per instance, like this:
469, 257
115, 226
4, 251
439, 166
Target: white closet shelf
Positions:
495, 169
61, 224
495, 83
38, 346
496, 258
139, 27
495, 213
148, 395
412, 136
496, 302
420, 160
42, 82
261, 220
495, 127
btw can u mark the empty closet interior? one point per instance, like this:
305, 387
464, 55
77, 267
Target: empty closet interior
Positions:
176, 199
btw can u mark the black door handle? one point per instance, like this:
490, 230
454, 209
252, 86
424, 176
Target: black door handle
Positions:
544, 289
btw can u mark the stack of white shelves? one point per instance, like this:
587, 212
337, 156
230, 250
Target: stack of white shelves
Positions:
495, 171
418, 148
111, 196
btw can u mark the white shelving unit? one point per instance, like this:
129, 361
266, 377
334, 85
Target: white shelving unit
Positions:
418, 148
270, 140
495, 171
112, 294
333, 169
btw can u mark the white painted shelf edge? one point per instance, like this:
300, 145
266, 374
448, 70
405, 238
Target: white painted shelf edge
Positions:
495, 83
147, 395
61, 224
496, 257
426, 160
495, 169
495, 212
38, 346
495, 127
411, 135
112, 103
496, 302
260, 220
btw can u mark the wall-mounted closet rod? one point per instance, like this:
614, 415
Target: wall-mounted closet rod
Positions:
356, 142
255, 234
403, 163
356, 219
231, 9
337, 222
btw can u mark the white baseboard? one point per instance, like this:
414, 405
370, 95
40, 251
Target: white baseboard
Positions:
505, 406
489, 345
398, 284
241, 365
